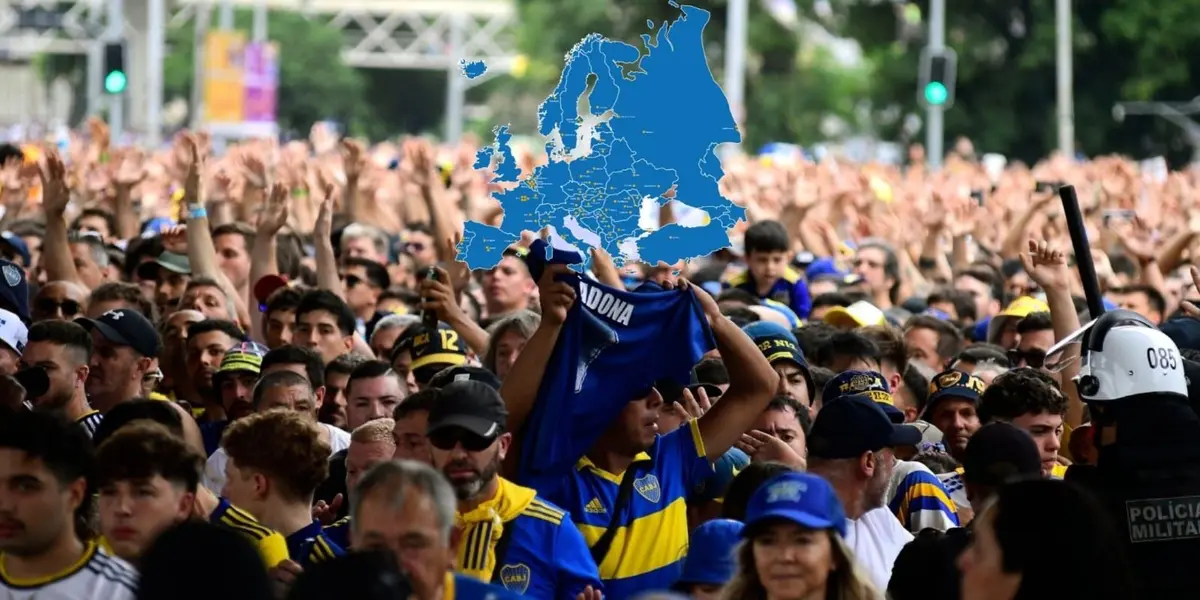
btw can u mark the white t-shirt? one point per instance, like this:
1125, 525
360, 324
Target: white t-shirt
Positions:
214, 470
876, 539
96, 576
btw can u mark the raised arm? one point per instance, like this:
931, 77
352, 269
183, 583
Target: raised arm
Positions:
521, 386
752, 382
56, 248
327, 268
1047, 267
263, 259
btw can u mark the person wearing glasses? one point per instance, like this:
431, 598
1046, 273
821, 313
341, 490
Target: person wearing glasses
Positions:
1035, 335
509, 536
60, 301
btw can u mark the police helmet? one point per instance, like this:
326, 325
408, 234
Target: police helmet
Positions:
1125, 355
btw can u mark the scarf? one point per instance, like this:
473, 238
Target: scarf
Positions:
482, 527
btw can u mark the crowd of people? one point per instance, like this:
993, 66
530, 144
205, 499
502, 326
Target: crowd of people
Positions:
264, 374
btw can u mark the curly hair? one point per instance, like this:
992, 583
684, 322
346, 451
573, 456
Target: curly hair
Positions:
1021, 392
297, 460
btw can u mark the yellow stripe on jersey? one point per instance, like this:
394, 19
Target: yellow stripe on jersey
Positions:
1058, 471
657, 541
271, 544
89, 551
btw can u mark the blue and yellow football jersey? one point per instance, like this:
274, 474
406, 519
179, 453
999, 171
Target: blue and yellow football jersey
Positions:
309, 546
652, 537
790, 289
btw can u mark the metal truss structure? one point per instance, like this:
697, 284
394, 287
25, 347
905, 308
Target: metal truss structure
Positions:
379, 34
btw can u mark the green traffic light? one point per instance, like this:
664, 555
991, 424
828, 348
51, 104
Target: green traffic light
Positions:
114, 83
935, 93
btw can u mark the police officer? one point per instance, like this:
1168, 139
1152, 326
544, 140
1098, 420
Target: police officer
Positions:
1148, 442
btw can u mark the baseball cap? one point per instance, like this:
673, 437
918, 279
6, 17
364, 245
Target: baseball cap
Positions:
1021, 307
171, 261
853, 425
710, 559
244, 357
800, 498
126, 327
778, 343
863, 383
18, 245
465, 373
1184, 331
14, 292
998, 452
441, 347
859, 314
953, 384
265, 286
13, 332
471, 405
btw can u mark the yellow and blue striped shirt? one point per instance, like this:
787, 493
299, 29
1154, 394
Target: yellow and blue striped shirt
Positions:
652, 537
919, 500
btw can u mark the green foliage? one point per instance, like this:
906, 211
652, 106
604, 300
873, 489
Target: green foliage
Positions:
315, 84
790, 88
1005, 101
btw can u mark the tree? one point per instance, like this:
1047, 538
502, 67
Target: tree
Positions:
314, 83
790, 87
1005, 101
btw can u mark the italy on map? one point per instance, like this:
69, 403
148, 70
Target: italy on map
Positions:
624, 126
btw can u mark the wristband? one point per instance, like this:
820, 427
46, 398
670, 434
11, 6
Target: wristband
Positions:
197, 212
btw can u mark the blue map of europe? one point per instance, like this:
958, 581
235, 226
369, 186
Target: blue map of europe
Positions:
625, 125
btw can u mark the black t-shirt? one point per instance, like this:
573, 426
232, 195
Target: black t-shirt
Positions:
926, 567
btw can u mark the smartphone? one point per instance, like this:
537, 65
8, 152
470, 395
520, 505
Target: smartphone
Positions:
1043, 187
977, 196
429, 318
1110, 216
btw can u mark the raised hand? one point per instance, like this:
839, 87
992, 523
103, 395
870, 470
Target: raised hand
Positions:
131, 170
191, 178
437, 294
327, 513
1046, 266
766, 447
55, 192
556, 297
275, 212
323, 228
707, 303
174, 239
353, 158
694, 405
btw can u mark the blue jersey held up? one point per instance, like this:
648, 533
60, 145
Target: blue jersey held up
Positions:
612, 348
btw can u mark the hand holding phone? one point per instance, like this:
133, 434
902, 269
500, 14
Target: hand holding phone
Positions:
429, 317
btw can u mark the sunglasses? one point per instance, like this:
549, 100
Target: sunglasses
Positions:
447, 439
69, 308
1030, 358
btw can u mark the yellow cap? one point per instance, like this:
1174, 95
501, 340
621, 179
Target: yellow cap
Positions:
1021, 307
859, 314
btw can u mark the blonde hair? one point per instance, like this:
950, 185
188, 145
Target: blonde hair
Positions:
374, 431
847, 581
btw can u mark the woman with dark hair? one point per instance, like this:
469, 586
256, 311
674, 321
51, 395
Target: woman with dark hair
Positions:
1033, 536
793, 546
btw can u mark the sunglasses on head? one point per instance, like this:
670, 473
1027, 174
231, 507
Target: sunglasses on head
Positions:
1030, 358
69, 308
450, 437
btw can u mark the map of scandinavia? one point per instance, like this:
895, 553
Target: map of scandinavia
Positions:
623, 126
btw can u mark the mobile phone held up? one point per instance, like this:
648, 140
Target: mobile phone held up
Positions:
977, 196
1044, 187
429, 317
1116, 216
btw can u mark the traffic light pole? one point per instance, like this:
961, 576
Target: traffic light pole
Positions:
934, 126
116, 31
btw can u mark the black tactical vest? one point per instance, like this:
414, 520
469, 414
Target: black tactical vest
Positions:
1149, 480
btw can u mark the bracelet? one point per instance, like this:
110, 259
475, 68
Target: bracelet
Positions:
197, 212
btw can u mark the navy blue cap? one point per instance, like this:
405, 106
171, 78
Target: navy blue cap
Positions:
18, 245
953, 384
853, 425
803, 499
126, 327
14, 290
710, 559
1184, 331
863, 383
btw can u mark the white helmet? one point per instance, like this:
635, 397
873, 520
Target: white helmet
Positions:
1124, 355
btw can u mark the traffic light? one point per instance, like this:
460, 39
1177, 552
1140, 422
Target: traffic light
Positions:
937, 73
115, 80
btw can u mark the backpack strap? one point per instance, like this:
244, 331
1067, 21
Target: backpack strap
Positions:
624, 495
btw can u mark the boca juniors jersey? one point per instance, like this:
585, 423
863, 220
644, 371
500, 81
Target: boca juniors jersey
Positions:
612, 348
